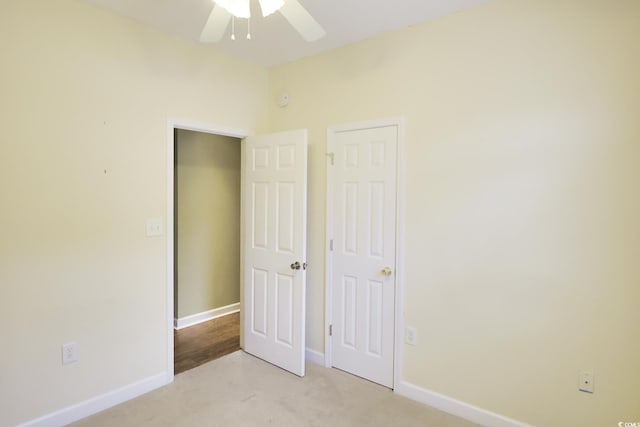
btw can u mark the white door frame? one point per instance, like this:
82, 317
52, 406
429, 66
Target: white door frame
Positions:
184, 124
399, 122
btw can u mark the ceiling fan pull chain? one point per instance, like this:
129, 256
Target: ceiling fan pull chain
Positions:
233, 27
248, 28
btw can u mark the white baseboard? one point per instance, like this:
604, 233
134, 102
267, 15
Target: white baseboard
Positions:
194, 319
456, 407
99, 403
314, 356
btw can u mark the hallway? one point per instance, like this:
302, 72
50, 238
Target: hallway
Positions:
205, 341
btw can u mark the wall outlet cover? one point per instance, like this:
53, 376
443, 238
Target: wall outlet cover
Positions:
410, 335
69, 353
154, 227
585, 379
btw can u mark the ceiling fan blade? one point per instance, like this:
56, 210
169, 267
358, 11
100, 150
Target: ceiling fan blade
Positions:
302, 21
216, 25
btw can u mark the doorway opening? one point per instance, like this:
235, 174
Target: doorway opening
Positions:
272, 250
201, 343
203, 241
207, 248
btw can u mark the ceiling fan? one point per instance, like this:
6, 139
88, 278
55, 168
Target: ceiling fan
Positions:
224, 10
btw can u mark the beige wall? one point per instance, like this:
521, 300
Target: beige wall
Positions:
522, 200
208, 222
523, 209
85, 97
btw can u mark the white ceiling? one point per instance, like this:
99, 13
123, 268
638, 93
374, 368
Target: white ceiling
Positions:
274, 41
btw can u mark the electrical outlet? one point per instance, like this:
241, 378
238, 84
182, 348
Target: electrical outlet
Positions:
69, 353
154, 227
585, 379
410, 335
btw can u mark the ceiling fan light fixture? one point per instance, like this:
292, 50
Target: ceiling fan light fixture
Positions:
238, 8
270, 6
228, 10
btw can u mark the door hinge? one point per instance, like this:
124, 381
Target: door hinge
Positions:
331, 244
331, 156
330, 330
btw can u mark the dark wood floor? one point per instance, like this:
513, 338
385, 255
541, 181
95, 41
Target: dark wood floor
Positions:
204, 342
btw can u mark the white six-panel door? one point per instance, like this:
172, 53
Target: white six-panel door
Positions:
363, 180
274, 203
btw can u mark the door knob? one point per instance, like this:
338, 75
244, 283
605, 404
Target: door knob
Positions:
386, 271
295, 266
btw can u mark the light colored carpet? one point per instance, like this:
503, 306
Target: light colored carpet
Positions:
241, 390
